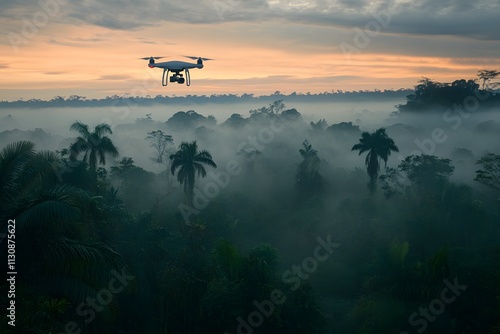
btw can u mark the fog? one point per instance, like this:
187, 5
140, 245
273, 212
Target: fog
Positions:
56, 122
412, 133
257, 195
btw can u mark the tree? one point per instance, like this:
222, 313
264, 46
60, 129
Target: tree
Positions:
426, 170
379, 146
53, 256
431, 95
22, 170
308, 178
160, 141
190, 161
95, 145
428, 175
126, 164
489, 174
423, 182
132, 180
319, 125
486, 76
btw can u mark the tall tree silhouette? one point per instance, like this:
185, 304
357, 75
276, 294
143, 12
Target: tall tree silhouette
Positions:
308, 178
190, 161
489, 174
95, 145
379, 146
485, 76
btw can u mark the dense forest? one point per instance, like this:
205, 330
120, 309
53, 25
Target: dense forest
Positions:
263, 224
142, 98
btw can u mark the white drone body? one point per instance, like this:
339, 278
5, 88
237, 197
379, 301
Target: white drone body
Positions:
176, 67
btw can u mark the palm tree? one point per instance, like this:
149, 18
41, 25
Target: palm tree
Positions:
308, 152
309, 181
53, 256
379, 146
94, 144
190, 161
21, 171
308, 177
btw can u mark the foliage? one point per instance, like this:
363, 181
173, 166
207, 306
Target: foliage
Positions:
489, 174
430, 95
308, 180
125, 165
52, 255
379, 146
73, 229
161, 142
486, 76
426, 172
190, 161
94, 145
319, 125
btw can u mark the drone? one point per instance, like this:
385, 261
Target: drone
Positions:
176, 67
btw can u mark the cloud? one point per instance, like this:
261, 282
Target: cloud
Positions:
55, 73
118, 77
431, 17
487, 62
145, 40
474, 19
277, 80
78, 41
4, 66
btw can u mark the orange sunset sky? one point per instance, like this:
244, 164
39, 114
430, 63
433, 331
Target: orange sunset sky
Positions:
62, 47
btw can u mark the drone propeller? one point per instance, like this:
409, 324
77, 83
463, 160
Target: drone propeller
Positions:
147, 58
196, 58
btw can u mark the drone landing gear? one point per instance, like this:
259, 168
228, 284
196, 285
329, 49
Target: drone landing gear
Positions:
164, 80
176, 77
188, 77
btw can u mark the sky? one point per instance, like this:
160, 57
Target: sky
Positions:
91, 48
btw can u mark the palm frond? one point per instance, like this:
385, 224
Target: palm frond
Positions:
81, 128
106, 146
58, 205
361, 147
201, 171
42, 165
68, 251
206, 161
102, 129
13, 159
176, 163
79, 146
